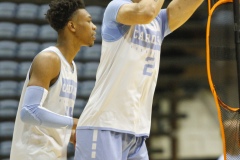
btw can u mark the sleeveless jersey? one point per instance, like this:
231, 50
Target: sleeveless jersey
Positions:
121, 100
41, 143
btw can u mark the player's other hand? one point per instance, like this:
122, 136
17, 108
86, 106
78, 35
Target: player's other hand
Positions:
73, 134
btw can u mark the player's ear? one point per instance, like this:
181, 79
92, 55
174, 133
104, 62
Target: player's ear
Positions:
71, 26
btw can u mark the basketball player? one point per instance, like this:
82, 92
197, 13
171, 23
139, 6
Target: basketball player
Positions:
116, 120
44, 120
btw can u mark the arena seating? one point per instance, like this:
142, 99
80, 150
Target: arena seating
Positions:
8, 49
7, 9
24, 32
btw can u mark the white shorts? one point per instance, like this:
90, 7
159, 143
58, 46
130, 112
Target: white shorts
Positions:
109, 145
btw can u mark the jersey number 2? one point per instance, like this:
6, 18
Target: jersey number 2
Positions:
147, 67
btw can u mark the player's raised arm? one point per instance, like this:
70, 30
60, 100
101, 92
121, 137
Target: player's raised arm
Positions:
179, 11
139, 12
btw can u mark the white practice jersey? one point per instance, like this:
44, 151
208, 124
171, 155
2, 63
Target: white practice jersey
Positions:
41, 143
126, 79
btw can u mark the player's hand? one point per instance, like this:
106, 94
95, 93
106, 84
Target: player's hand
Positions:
75, 122
73, 137
73, 134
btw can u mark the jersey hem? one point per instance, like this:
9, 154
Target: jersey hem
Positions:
114, 130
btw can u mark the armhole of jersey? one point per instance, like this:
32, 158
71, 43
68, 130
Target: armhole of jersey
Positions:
118, 33
74, 67
51, 85
162, 17
28, 73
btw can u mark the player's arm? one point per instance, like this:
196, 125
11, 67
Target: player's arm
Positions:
44, 72
179, 11
142, 12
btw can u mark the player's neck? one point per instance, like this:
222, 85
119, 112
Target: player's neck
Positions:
67, 49
135, 1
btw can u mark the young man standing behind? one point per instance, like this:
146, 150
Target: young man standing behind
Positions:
44, 122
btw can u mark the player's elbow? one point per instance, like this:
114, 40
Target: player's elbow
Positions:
147, 14
24, 114
27, 117
148, 17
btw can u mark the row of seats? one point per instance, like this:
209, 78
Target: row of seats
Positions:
12, 89
5, 147
8, 108
31, 11
31, 31
27, 31
13, 69
10, 10
23, 50
28, 50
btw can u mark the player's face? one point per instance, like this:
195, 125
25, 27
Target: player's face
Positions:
85, 29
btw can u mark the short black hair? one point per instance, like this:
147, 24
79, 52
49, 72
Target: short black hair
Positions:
61, 11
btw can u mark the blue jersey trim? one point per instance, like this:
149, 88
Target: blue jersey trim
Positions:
111, 29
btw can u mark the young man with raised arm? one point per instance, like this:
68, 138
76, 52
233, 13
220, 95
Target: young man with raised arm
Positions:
117, 118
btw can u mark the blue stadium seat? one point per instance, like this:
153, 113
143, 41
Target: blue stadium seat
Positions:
98, 33
5, 148
23, 69
47, 33
8, 69
27, 11
79, 106
78, 56
42, 11
96, 13
6, 129
89, 70
79, 67
20, 87
8, 49
7, 30
8, 89
7, 10
91, 53
27, 31
85, 88
27, 50
8, 108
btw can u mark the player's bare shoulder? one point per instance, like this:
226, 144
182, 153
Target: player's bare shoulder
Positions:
48, 60
45, 69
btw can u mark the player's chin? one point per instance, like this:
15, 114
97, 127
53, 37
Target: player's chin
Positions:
91, 44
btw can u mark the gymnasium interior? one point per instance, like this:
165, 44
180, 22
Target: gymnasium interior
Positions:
184, 117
